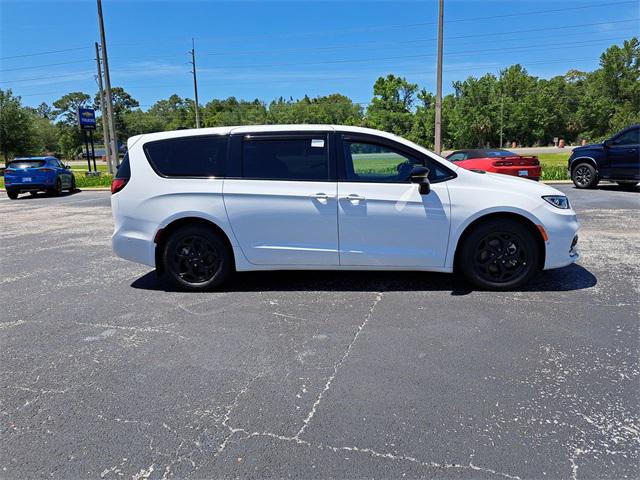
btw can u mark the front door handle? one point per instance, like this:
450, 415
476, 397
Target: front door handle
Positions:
354, 197
321, 196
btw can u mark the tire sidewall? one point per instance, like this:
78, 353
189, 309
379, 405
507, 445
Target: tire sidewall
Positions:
527, 241
12, 194
226, 259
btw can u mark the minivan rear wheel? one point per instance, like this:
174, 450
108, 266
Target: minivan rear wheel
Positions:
196, 258
500, 254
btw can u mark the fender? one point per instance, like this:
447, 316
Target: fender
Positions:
590, 160
458, 230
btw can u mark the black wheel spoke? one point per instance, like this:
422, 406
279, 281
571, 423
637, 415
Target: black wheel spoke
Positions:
195, 259
500, 257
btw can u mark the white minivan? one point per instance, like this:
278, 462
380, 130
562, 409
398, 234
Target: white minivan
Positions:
199, 204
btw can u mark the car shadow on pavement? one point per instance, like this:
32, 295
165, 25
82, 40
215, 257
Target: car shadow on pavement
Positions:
46, 195
573, 277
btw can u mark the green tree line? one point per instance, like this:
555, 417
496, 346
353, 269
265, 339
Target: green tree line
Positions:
523, 108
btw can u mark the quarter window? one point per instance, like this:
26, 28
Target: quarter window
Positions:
201, 156
303, 158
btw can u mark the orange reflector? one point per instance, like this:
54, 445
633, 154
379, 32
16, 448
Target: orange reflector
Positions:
543, 232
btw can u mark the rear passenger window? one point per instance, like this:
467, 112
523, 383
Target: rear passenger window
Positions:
188, 156
304, 158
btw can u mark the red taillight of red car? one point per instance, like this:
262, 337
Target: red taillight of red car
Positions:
118, 184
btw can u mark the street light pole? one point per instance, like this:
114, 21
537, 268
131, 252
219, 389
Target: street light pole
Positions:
113, 157
105, 129
438, 132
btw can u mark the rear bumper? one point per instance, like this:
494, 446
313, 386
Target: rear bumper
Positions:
26, 187
532, 172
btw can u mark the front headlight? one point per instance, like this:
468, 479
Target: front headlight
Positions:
558, 201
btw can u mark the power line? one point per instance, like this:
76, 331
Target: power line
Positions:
407, 42
399, 57
44, 53
42, 66
47, 77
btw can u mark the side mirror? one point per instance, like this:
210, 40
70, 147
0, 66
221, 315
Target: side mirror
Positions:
420, 175
607, 143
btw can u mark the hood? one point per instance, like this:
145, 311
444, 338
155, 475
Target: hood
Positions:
590, 146
514, 184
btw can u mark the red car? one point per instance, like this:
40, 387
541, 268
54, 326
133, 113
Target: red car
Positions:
498, 161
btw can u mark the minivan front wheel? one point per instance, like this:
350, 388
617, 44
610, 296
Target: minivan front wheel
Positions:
499, 254
196, 258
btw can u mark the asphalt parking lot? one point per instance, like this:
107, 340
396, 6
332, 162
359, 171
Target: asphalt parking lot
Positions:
104, 373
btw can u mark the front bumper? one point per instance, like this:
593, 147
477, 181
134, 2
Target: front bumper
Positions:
562, 245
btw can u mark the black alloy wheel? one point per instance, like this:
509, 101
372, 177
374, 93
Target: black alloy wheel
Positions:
500, 254
196, 258
500, 257
584, 176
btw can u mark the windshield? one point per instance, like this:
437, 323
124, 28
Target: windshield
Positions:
22, 164
499, 153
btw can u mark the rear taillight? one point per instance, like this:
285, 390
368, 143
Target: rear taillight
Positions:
118, 184
45, 170
502, 163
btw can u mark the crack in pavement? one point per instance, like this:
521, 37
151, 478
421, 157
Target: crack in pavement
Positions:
355, 449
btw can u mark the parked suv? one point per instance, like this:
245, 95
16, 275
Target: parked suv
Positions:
198, 204
616, 159
37, 174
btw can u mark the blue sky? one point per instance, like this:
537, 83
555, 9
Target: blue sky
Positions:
268, 49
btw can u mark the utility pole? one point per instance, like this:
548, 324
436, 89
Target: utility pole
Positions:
105, 129
501, 116
113, 158
438, 133
195, 80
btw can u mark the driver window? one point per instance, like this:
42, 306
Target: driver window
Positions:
368, 162
628, 138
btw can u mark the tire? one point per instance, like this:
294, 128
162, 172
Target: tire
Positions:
72, 188
197, 259
630, 185
500, 254
57, 189
33, 193
584, 175
12, 194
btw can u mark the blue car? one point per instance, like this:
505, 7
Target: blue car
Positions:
37, 174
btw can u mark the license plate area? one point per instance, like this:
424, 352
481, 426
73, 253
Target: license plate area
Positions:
523, 173
26, 179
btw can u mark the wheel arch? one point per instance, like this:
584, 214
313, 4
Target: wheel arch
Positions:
522, 219
590, 160
163, 234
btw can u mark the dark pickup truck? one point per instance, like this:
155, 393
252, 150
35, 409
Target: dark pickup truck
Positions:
616, 159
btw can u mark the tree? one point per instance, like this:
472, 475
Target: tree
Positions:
66, 107
391, 106
123, 104
16, 126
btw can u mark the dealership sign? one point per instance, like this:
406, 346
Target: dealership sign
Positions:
87, 118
